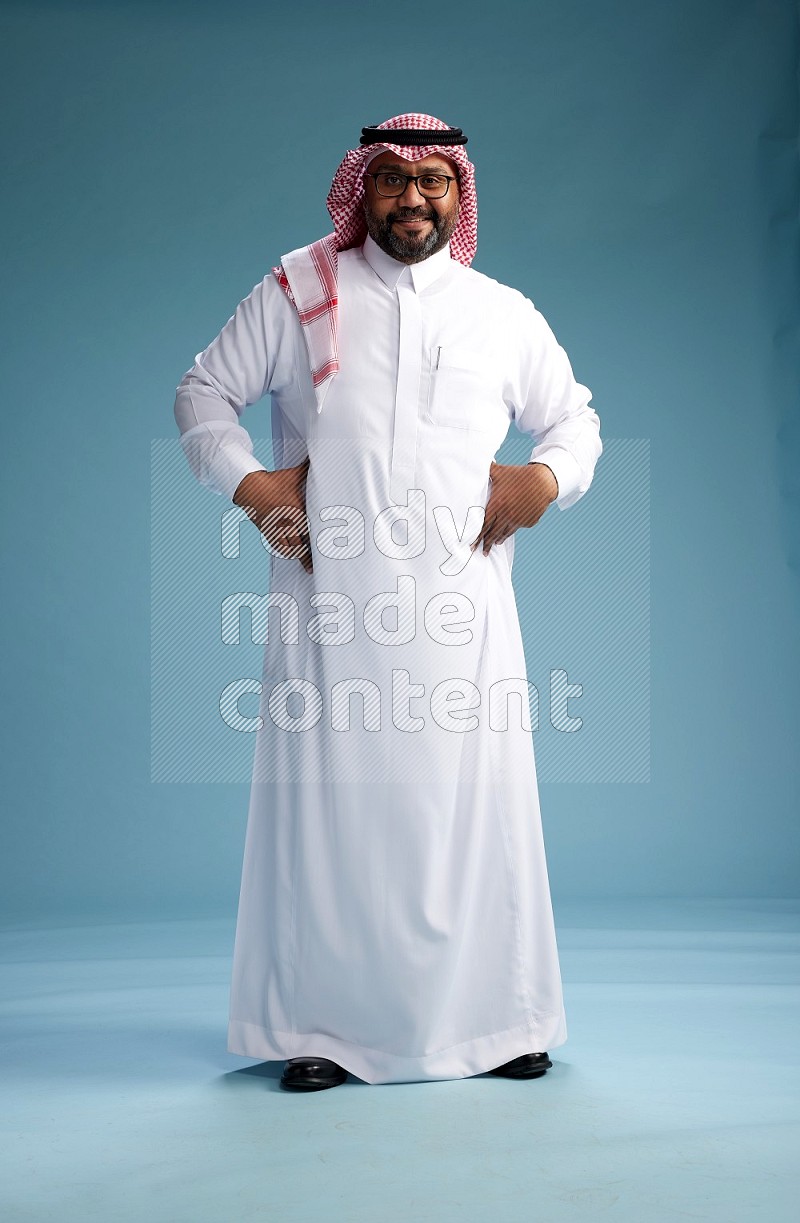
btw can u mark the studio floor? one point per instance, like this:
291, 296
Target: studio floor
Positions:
675, 1097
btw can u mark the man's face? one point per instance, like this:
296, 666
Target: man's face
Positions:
410, 227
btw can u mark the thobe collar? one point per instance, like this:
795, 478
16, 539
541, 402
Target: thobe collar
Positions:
392, 272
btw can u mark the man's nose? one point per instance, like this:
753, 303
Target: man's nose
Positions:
412, 196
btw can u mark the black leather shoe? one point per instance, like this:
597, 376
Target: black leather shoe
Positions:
311, 1074
529, 1066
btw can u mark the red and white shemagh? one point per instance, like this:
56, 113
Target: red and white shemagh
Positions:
309, 275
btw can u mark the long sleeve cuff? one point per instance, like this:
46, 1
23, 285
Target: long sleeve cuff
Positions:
219, 464
566, 469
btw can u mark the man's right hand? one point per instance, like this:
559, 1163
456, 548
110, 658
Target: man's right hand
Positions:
276, 503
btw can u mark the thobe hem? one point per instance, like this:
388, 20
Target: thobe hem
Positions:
470, 1057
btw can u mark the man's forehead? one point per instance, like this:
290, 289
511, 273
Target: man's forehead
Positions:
388, 160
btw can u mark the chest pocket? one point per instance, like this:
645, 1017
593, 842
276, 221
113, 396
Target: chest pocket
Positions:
462, 393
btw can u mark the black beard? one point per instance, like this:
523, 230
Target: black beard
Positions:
412, 248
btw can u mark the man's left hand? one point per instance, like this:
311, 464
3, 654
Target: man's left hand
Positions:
519, 497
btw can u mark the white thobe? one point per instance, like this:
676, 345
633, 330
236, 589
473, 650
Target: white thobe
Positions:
394, 912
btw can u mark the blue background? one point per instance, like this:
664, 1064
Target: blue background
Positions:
637, 178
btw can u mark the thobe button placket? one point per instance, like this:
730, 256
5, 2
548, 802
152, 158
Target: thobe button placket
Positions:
406, 411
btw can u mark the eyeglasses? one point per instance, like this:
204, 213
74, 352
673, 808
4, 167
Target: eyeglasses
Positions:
432, 186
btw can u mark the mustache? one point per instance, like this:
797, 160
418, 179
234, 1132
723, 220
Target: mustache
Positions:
411, 214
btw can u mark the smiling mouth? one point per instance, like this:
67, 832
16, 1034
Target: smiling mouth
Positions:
413, 222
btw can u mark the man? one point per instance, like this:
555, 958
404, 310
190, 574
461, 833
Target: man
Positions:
395, 918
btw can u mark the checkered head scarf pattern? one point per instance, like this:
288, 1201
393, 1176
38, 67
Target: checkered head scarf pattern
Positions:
309, 275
